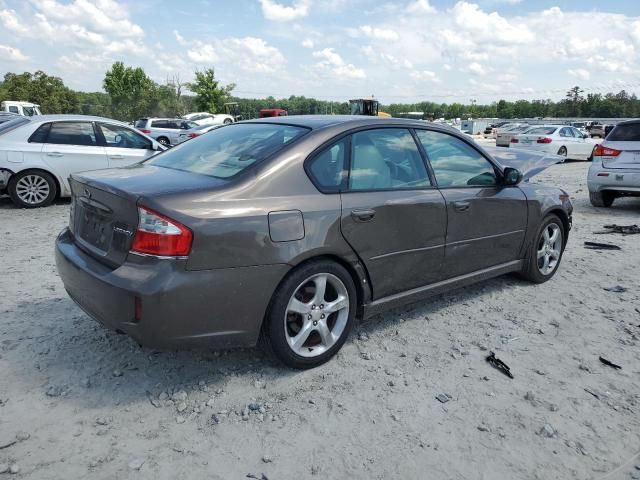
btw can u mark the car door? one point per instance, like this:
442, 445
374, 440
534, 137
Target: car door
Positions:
486, 221
569, 141
123, 145
72, 146
583, 147
392, 216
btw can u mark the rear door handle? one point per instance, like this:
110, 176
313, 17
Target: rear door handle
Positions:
461, 206
363, 214
55, 154
116, 157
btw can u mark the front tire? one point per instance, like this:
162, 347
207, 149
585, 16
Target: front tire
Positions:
546, 252
311, 314
227, 121
32, 189
601, 199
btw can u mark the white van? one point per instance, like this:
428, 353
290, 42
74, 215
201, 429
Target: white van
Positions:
26, 109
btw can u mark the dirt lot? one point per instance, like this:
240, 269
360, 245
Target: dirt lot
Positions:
83, 402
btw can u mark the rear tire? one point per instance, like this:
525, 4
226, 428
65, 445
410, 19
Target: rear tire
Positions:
32, 189
307, 324
546, 251
563, 152
164, 141
601, 199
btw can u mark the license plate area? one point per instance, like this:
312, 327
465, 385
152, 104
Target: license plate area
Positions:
94, 227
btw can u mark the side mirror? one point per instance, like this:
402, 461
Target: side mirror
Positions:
511, 176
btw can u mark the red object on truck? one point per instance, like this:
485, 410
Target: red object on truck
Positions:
273, 112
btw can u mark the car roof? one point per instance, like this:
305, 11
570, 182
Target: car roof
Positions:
628, 122
70, 117
322, 121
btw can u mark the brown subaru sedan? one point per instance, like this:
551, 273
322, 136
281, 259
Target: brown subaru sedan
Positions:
294, 226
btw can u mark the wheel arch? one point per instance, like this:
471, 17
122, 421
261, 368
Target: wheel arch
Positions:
564, 217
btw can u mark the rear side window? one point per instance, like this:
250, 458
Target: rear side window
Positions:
566, 132
160, 124
386, 158
455, 162
72, 133
328, 169
40, 135
14, 109
629, 132
225, 152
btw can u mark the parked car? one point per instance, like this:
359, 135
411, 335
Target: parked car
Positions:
26, 109
597, 131
564, 140
615, 170
490, 131
504, 135
6, 116
37, 154
272, 112
197, 131
206, 118
164, 130
294, 226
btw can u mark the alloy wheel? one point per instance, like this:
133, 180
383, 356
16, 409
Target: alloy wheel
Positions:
316, 315
32, 189
549, 248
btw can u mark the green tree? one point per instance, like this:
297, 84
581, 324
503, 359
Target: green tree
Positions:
49, 92
574, 100
131, 91
210, 95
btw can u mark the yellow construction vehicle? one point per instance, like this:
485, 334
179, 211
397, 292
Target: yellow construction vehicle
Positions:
366, 106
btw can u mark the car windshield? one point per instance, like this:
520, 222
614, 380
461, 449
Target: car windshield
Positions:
11, 124
629, 132
225, 152
541, 131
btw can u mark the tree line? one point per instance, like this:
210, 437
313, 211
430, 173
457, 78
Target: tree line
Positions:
129, 93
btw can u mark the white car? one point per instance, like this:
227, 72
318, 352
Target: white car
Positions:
563, 140
206, 118
615, 170
37, 154
196, 132
504, 135
27, 109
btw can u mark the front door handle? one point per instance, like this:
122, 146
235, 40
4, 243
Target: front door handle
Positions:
55, 154
116, 157
363, 214
461, 206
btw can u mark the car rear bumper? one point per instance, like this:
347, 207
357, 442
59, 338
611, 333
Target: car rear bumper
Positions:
621, 180
179, 308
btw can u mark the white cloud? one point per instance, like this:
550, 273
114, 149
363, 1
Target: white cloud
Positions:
307, 43
11, 22
282, 13
202, 53
489, 26
476, 69
180, 39
425, 75
378, 33
11, 54
579, 73
332, 61
420, 7
251, 54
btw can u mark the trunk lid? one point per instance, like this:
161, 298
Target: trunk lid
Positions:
529, 162
628, 158
104, 205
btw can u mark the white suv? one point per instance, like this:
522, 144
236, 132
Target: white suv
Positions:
615, 170
165, 130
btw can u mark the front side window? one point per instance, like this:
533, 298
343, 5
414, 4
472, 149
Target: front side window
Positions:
29, 111
72, 133
122, 137
328, 169
225, 152
386, 158
455, 162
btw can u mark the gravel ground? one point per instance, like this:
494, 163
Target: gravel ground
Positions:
78, 401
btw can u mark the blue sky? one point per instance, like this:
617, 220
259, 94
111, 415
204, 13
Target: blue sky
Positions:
399, 51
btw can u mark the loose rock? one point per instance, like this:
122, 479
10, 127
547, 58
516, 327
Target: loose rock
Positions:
136, 464
547, 431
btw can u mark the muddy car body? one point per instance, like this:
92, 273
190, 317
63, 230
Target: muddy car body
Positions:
347, 217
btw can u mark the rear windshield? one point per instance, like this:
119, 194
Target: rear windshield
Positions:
225, 152
621, 133
140, 123
11, 124
540, 131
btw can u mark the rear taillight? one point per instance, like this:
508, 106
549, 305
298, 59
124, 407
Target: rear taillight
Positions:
193, 135
514, 140
161, 236
145, 130
544, 140
601, 151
